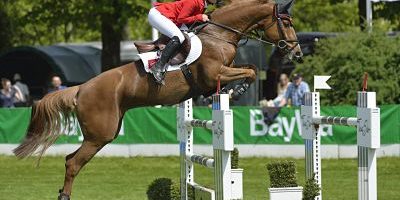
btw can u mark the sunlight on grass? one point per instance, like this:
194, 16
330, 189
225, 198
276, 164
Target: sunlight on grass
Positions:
127, 178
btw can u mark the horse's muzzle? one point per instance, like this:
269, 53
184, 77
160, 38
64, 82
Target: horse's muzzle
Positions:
298, 56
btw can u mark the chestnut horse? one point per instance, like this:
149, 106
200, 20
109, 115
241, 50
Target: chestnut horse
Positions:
100, 103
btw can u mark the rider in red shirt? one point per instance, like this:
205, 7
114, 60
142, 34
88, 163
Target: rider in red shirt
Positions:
166, 18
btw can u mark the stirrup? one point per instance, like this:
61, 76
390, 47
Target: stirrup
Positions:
158, 79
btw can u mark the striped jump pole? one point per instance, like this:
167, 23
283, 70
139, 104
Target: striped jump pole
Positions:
222, 137
367, 123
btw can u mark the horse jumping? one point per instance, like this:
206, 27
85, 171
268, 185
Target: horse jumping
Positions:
100, 103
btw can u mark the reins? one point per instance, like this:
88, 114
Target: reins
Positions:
277, 18
247, 36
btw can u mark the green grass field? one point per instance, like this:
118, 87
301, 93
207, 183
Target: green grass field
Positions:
128, 178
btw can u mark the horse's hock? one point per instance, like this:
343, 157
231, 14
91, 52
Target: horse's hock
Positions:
227, 181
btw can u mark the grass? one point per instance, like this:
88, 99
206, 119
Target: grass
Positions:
127, 178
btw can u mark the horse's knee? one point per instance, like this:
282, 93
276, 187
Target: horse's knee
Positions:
253, 75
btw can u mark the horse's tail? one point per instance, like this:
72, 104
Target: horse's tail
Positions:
49, 116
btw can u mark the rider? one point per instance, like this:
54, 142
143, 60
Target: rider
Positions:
166, 18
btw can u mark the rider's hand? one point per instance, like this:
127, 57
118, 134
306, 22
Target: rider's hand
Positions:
205, 18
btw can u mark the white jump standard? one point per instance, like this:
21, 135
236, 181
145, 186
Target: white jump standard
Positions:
368, 139
226, 188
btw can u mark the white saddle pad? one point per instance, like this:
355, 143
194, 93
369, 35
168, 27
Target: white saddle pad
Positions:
150, 58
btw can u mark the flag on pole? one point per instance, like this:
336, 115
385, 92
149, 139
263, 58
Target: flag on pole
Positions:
320, 82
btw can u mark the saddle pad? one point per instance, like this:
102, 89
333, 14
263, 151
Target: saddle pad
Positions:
150, 58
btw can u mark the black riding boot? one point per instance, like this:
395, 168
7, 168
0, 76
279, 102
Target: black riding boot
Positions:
160, 67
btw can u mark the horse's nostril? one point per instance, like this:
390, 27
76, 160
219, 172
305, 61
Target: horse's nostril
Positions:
299, 54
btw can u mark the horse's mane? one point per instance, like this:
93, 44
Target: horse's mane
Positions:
228, 2
231, 5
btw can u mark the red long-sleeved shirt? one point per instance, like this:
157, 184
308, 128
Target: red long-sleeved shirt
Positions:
183, 11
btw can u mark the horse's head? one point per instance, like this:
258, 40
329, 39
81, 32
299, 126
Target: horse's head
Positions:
278, 29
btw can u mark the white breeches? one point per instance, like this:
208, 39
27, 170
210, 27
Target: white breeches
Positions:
164, 25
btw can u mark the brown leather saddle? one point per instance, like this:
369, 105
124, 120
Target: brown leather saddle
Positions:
160, 44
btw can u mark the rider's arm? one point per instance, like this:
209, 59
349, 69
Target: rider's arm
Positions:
186, 15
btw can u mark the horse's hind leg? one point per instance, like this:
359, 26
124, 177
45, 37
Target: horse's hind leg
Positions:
75, 162
97, 135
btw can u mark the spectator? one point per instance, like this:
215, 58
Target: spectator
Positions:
295, 92
56, 84
282, 87
23, 88
9, 94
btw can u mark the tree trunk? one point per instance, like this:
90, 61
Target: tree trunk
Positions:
5, 31
111, 35
362, 13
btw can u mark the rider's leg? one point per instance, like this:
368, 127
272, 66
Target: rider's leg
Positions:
168, 28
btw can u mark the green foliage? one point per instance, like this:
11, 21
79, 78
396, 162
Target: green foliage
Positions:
163, 189
326, 16
5, 24
45, 22
191, 192
235, 159
387, 15
347, 57
311, 189
342, 16
282, 174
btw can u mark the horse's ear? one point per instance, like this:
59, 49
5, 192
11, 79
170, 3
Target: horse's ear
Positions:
285, 6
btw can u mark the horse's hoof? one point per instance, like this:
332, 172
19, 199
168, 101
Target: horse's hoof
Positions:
240, 90
63, 196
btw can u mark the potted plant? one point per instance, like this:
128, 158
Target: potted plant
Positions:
163, 188
283, 181
236, 175
311, 189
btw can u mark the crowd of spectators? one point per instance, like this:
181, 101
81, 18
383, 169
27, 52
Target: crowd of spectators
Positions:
17, 94
289, 93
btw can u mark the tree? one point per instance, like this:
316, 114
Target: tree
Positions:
114, 15
6, 29
385, 14
347, 57
55, 21
325, 16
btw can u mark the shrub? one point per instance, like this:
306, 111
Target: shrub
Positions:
347, 57
163, 189
282, 174
235, 159
311, 189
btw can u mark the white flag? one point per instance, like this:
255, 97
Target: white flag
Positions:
320, 82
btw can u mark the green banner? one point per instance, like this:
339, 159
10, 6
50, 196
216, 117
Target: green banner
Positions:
158, 126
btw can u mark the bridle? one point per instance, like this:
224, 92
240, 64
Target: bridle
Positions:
282, 44
278, 18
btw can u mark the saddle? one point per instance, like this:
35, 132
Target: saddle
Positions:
178, 58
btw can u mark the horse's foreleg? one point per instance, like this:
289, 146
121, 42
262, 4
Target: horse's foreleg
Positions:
238, 72
75, 162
